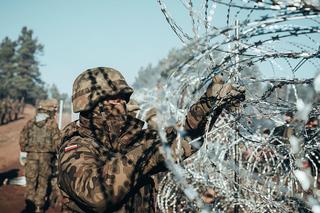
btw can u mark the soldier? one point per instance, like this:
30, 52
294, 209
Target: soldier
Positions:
281, 136
12, 109
106, 159
9, 110
16, 109
21, 106
38, 140
6, 114
311, 131
286, 130
2, 112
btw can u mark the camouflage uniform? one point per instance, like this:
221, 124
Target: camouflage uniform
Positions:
106, 165
2, 111
10, 110
133, 108
150, 118
21, 106
39, 139
15, 109
12, 107
6, 115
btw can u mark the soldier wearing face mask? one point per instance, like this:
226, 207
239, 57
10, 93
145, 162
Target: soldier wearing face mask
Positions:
106, 159
38, 143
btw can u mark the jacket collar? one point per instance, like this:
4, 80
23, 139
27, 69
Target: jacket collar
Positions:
130, 133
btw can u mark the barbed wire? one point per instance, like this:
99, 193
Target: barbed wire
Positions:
249, 170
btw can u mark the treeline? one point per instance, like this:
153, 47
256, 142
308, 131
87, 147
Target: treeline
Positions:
20, 78
151, 75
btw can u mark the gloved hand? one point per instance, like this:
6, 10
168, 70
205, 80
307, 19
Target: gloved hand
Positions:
225, 93
23, 158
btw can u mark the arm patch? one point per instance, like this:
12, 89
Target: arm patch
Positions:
71, 147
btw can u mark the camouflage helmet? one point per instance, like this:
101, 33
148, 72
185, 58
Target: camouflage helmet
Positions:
48, 105
94, 85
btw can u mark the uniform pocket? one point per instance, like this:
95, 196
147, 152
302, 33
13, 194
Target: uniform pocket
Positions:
31, 169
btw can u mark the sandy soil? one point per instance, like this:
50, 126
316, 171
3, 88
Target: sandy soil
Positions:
12, 197
9, 140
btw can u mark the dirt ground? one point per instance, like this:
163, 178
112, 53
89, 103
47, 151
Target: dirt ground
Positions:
12, 196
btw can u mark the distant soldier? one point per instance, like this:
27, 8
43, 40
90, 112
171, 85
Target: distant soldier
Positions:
286, 130
6, 106
14, 104
38, 141
21, 106
311, 132
9, 108
282, 135
2, 112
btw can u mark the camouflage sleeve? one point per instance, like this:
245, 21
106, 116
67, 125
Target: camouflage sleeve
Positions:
195, 124
196, 118
180, 149
24, 136
104, 187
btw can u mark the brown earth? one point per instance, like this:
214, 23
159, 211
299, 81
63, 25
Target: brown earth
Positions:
11, 196
9, 140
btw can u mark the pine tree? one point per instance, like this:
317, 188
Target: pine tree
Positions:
54, 92
28, 82
7, 67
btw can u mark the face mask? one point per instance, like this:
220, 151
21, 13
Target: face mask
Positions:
115, 109
114, 119
41, 117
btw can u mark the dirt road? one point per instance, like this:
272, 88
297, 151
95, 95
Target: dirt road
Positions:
9, 140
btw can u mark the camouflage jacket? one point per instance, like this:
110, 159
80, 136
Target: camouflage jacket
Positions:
93, 178
41, 136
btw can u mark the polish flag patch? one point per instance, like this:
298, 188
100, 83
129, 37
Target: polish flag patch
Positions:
71, 147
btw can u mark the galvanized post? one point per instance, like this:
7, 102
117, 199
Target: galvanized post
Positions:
60, 114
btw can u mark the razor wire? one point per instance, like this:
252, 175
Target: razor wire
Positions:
245, 169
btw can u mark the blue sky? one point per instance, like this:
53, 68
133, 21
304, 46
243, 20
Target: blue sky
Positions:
80, 34
123, 34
